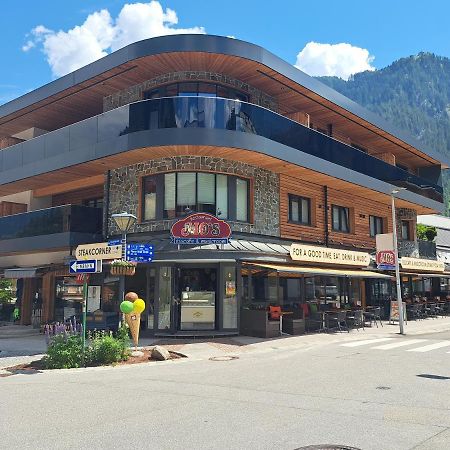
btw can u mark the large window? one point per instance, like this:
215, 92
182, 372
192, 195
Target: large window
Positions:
406, 232
196, 89
376, 225
177, 194
299, 210
341, 219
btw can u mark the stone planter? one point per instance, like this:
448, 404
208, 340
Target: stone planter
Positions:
122, 270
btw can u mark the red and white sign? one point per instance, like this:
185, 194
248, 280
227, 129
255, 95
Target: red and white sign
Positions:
386, 258
200, 228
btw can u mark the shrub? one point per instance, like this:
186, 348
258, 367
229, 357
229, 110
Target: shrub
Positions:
64, 352
105, 349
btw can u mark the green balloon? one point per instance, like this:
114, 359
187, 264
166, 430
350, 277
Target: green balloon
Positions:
126, 307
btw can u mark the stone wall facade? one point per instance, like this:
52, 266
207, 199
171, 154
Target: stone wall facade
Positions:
136, 93
407, 248
124, 191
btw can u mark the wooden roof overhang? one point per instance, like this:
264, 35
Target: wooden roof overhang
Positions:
80, 95
93, 172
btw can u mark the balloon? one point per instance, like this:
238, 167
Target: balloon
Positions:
138, 306
126, 307
131, 296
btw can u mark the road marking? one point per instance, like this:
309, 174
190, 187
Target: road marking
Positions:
402, 343
366, 342
430, 347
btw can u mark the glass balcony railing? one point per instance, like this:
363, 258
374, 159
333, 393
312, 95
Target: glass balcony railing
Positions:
59, 219
208, 113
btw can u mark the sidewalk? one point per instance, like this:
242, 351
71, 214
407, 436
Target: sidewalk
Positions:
26, 348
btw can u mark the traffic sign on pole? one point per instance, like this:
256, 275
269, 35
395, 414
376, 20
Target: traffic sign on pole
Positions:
139, 252
87, 266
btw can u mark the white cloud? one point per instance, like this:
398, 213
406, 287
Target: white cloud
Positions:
341, 60
100, 34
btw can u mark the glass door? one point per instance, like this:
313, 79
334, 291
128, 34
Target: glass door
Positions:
165, 299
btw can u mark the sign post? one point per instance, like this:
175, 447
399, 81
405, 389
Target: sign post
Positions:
83, 269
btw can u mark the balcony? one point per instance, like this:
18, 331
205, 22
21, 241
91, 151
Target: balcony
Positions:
103, 135
51, 228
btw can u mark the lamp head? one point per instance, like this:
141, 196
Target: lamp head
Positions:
124, 221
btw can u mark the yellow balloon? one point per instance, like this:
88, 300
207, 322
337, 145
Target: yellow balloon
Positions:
138, 306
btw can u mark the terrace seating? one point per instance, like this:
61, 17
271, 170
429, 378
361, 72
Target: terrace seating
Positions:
356, 319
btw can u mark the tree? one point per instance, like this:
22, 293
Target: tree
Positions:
6, 291
426, 233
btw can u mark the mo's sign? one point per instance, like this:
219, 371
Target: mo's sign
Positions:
200, 228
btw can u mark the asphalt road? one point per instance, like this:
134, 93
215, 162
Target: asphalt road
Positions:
286, 398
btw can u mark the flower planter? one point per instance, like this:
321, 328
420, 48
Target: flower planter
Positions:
122, 270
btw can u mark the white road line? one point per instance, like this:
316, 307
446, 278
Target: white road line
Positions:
365, 342
402, 343
430, 347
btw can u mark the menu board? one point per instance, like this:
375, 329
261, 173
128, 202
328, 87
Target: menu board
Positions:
394, 316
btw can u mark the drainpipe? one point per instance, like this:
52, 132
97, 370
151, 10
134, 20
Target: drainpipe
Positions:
325, 211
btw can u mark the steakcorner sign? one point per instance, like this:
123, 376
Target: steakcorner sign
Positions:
325, 255
200, 228
427, 265
98, 251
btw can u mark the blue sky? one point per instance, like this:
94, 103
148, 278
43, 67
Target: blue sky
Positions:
378, 32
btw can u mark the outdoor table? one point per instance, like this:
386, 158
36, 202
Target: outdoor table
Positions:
284, 313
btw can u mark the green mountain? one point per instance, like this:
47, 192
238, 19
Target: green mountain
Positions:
412, 93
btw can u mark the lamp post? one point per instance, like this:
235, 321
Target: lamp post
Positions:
397, 266
124, 222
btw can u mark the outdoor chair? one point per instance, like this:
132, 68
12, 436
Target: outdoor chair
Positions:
274, 312
373, 315
314, 319
355, 319
430, 310
339, 319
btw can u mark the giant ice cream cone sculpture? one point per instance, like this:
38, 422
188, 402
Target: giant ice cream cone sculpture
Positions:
132, 312
133, 321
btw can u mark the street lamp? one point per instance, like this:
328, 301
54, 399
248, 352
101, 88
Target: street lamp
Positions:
124, 222
397, 266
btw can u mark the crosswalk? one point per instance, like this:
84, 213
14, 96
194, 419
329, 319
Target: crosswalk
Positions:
409, 345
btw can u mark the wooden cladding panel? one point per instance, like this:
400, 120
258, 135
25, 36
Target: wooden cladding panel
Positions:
77, 197
99, 167
10, 208
360, 210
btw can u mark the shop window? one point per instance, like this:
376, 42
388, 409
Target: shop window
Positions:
178, 194
406, 230
375, 225
150, 199
299, 210
341, 219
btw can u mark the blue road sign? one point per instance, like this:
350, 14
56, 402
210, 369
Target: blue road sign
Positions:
88, 266
139, 252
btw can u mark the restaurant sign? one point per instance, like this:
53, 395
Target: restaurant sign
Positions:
426, 265
325, 255
98, 251
385, 259
200, 228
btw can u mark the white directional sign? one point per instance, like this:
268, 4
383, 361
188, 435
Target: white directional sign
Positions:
88, 266
99, 251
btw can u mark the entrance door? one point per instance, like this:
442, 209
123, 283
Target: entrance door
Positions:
166, 299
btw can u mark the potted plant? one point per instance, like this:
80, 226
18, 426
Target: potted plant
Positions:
122, 267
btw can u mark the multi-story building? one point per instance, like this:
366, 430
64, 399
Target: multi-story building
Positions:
190, 123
